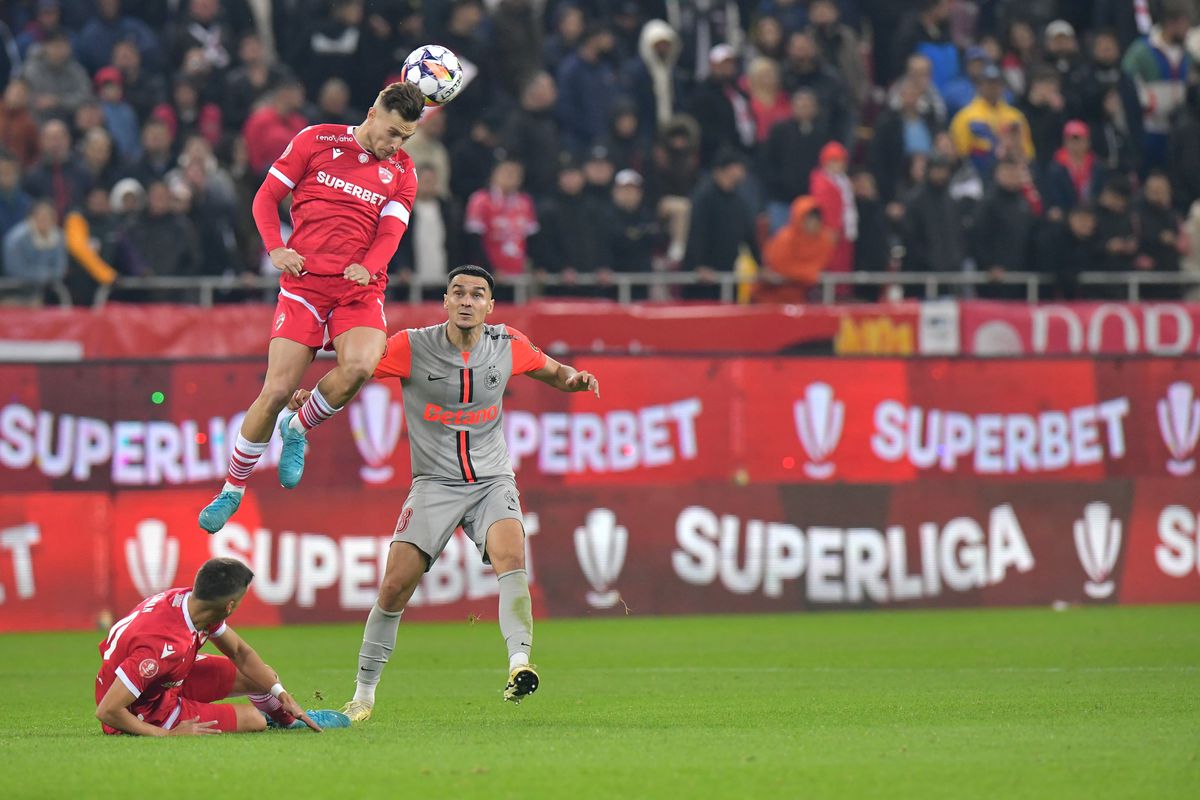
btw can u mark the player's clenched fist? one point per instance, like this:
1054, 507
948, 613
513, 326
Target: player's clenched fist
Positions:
287, 260
357, 273
299, 398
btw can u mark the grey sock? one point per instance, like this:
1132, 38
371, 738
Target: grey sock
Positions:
379, 638
516, 612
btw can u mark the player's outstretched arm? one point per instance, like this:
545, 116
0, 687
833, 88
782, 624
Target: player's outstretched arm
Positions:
566, 378
248, 662
114, 712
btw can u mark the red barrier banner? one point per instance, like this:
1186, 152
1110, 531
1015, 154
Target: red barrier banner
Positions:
659, 422
1059, 329
701, 548
184, 331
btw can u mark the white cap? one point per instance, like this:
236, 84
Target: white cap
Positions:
628, 177
721, 52
1060, 27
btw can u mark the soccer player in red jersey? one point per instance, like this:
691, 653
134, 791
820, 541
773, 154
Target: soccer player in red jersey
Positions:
153, 683
352, 192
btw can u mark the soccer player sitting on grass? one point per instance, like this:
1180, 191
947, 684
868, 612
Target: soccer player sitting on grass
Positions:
454, 377
152, 682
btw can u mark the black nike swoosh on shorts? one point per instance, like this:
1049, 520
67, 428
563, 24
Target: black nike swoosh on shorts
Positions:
439, 378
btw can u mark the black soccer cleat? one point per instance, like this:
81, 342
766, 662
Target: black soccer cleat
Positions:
522, 682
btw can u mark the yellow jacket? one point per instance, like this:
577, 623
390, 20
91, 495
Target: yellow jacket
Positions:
976, 129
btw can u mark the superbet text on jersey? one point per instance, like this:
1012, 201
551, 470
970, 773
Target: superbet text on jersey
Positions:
152, 651
340, 192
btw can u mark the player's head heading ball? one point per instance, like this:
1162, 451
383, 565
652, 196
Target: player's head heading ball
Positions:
222, 582
469, 296
392, 118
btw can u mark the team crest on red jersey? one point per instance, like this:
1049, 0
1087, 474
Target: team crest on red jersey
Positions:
148, 668
385, 174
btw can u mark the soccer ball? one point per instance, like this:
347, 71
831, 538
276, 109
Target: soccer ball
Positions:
436, 72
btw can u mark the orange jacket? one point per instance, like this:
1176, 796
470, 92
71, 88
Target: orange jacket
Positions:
795, 254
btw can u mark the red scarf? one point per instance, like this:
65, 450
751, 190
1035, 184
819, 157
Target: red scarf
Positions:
1081, 174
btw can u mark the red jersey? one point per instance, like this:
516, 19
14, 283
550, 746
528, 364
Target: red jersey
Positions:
505, 222
339, 193
152, 651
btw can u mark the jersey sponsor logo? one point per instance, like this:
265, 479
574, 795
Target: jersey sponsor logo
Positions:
337, 151
352, 189
329, 137
600, 545
377, 421
1098, 543
819, 417
152, 557
385, 174
478, 416
167, 650
1179, 424
148, 668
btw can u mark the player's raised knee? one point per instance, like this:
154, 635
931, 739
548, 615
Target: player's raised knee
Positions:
359, 368
275, 394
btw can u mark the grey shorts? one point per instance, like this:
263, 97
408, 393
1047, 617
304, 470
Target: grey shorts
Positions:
433, 511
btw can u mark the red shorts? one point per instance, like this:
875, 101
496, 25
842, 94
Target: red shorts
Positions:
211, 679
315, 309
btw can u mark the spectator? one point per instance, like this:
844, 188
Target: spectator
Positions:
430, 245
333, 106
792, 14
598, 173
203, 27
1115, 139
143, 89
767, 38
702, 24
188, 115
47, 22
1092, 82
1184, 154
531, 135
1115, 231
119, 117
109, 26
96, 151
57, 177
841, 49
926, 31
1128, 21
517, 43
569, 25
255, 77
1045, 110
790, 155
88, 117
961, 91
631, 233
625, 144
586, 91
1004, 228
626, 17
474, 157
162, 241
980, 129
156, 159
719, 108
1067, 247
721, 224
426, 147
1159, 64
57, 83
34, 252
1158, 226
18, 129
676, 174
15, 202
654, 78
1062, 49
873, 250
795, 256
269, 129
332, 47
899, 133
768, 103
931, 105
92, 238
934, 229
833, 193
1020, 54
570, 243
212, 214
804, 69
1074, 175
499, 221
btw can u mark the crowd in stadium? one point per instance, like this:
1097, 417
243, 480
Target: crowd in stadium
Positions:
597, 136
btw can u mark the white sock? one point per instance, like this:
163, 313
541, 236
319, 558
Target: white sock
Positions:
229, 487
517, 660
365, 692
297, 425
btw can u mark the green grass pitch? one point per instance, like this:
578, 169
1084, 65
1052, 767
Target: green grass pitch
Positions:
1087, 703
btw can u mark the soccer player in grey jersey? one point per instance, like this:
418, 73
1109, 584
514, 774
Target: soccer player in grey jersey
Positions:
454, 376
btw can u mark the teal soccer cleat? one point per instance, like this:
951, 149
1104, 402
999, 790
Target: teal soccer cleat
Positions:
217, 513
291, 460
324, 717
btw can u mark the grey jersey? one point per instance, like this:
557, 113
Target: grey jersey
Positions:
453, 400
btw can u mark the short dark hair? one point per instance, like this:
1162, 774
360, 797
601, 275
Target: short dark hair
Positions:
221, 578
474, 271
404, 98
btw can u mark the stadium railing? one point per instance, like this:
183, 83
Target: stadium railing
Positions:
59, 289
204, 290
